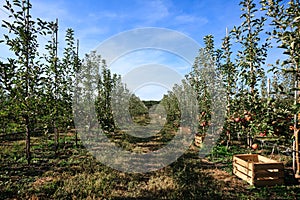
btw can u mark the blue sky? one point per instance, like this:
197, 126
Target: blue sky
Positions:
97, 20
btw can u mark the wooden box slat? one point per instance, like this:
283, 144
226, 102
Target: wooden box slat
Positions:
265, 159
242, 175
266, 166
243, 163
263, 174
243, 170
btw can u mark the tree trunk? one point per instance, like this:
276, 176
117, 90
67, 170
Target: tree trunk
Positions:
296, 161
228, 124
76, 138
249, 140
28, 134
56, 136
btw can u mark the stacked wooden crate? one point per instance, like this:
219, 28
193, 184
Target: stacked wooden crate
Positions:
199, 140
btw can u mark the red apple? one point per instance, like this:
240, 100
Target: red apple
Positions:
262, 134
237, 119
254, 146
248, 118
204, 123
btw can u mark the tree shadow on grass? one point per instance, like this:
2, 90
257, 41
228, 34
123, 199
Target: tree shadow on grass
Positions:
189, 177
16, 175
184, 179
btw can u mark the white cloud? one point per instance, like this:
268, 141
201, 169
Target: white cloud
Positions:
149, 13
49, 11
106, 15
188, 19
155, 38
156, 10
89, 31
142, 57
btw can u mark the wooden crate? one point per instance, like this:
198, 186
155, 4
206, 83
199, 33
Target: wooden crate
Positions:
258, 170
199, 140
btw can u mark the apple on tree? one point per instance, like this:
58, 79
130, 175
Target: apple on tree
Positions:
254, 146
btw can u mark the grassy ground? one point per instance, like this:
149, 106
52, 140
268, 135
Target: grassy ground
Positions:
72, 173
